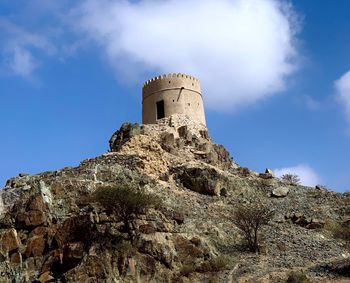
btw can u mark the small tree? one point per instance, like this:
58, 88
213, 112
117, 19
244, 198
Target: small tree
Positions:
249, 219
126, 204
291, 179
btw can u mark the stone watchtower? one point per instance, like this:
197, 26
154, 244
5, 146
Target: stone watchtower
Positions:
171, 94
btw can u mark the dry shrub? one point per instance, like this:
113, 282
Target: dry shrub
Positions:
215, 264
187, 269
244, 171
339, 230
291, 179
297, 277
249, 219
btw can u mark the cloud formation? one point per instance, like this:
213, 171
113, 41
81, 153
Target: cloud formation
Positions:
307, 175
18, 49
242, 50
343, 92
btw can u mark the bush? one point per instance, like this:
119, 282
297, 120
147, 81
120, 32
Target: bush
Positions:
187, 269
124, 248
340, 231
244, 171
249, 219
291, 179
126, 204
213, 265
297, 277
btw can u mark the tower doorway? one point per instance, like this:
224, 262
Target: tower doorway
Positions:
160, 109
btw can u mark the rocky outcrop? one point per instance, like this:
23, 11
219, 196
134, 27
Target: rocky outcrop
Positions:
178, 136
52, 230
206, 181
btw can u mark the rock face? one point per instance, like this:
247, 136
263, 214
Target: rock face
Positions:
51, 230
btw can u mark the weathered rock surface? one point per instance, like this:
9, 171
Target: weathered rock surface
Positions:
51, 231
280, 192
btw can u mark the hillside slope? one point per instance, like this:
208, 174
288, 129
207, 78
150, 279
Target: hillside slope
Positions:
47, 221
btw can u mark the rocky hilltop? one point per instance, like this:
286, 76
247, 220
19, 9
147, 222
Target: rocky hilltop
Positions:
49, 221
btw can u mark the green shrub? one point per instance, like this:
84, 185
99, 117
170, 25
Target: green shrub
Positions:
124, 248
126, 204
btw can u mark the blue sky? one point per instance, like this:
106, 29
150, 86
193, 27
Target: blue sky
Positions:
274, 77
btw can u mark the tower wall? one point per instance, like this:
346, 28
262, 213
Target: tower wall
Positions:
180, 93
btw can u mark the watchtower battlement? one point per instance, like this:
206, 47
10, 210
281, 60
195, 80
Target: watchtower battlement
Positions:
165, 95
170, 81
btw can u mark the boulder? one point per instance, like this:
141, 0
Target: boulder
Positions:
35, 218
125, 133
16, 259
219, 156
265, 175
320, 188
9, 241
299, 219
186, 250
74, 250
178, 217
280, 192
35, 246
206, 181
45, 277
315, 224
23, 174
269, 171
161, 252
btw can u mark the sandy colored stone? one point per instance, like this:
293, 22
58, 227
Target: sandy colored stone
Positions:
35, 246
180, 93
16, 259
280, 192
45, 277
9, 241
35, 218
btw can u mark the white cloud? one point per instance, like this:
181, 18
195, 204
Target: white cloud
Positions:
22, 62
343, 92
311, 103
307, 175
19, 46
242, 50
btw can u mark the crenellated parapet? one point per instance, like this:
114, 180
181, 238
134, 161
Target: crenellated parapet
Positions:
170, 76
171, 81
